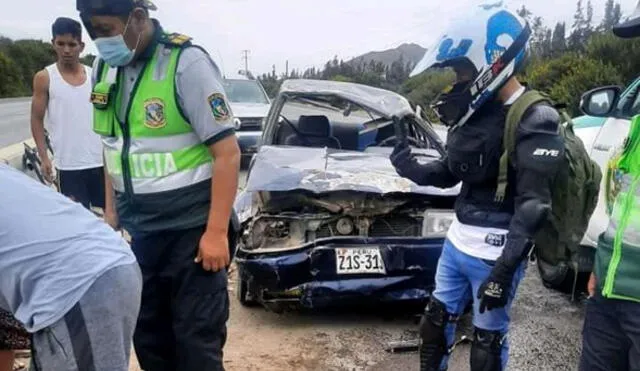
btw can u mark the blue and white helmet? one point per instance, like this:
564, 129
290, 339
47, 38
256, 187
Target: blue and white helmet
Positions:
492, 40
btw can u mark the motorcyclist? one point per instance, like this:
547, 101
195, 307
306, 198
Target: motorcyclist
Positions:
611, 331
485, 254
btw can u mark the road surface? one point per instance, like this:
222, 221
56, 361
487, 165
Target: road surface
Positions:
14, 120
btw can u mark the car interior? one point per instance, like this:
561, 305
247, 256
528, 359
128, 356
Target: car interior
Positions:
331, 130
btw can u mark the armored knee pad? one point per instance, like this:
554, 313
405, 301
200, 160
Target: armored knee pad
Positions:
486, 350
434, 343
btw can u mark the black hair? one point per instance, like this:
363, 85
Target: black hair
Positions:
65, 26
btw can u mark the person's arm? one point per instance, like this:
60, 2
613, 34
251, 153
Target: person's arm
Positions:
226, 168
534, 179
535, 174
204, 102
434, 173
39, 103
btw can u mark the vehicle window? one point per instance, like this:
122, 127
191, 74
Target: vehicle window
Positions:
629, 105
634, 109
335, 123
245, 91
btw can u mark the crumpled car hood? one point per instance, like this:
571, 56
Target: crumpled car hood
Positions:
319, 170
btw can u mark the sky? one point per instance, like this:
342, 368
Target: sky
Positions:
305, 33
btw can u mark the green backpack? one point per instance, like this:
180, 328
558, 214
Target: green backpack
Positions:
574, 198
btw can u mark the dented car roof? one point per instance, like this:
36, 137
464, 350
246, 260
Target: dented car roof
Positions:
384, 102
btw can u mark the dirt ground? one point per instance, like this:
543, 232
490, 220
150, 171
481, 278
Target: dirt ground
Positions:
545, 335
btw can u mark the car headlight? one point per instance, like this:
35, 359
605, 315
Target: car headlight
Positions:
262, 123
436, 223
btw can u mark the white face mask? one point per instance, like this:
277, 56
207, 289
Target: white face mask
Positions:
114, 51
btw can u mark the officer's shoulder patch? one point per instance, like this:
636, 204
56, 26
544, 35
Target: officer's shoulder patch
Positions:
219, 106
154, 117
176, 39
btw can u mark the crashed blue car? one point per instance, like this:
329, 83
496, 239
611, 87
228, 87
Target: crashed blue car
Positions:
325, 218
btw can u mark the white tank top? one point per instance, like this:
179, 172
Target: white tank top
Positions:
69, 120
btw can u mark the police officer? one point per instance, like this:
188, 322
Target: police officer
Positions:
611, 331
484, 255
172, 163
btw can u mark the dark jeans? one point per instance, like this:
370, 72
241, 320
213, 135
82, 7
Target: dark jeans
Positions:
184, 310
83, 186
611, 335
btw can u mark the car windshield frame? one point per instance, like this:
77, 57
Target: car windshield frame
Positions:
229, 91
375, 118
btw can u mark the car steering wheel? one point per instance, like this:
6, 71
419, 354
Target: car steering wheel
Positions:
411, 140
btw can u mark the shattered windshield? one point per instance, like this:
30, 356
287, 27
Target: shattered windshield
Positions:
337, 110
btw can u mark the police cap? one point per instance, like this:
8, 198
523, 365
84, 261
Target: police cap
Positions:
88, 8
631, 27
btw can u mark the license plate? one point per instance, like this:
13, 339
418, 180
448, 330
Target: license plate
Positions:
359, 260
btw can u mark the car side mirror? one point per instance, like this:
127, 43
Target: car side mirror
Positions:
600, 102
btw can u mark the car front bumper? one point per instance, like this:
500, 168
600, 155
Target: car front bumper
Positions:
308, 275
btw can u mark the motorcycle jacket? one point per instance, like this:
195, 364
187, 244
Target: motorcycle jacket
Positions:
473, 157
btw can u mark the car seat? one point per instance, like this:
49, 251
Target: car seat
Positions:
313, 131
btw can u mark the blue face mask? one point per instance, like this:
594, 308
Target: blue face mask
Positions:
114, 51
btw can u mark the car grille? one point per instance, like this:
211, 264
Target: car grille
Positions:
388, 226
250, 123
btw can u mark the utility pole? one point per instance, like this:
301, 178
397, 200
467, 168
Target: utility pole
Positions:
245, 56
287, 69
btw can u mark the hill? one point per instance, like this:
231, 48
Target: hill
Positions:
409, 52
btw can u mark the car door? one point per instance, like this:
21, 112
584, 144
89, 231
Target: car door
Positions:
610, 137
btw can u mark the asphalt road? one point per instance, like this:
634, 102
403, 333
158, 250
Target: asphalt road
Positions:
14, 120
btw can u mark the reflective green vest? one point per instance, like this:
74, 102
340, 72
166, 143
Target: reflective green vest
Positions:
617, 265
154, 149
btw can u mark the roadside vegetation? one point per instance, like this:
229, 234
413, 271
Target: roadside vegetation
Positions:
567, 60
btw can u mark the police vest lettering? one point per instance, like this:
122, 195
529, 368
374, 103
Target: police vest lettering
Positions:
143, 165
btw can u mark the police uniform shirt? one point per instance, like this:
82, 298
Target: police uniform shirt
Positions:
197, 78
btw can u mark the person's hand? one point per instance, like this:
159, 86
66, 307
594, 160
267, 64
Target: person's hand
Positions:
494, 292
591, 286
401, 155
111, 218
47, 169
213, 252
406, 164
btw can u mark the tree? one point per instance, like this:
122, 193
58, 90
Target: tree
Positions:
582, 27
11, 84
88, 59
607, 20
575, 38
558, 40
566, 78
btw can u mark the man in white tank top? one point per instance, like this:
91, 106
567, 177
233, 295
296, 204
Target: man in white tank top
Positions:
60, 102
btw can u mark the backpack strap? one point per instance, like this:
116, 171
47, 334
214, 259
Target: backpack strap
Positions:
514, 116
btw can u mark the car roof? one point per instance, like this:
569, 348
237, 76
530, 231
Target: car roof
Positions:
384, 102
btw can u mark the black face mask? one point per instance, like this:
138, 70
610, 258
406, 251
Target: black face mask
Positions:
453, 105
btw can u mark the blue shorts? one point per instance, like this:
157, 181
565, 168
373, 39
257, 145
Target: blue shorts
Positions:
458, 278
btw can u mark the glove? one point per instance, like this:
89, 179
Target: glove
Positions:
494, 292
405, 164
